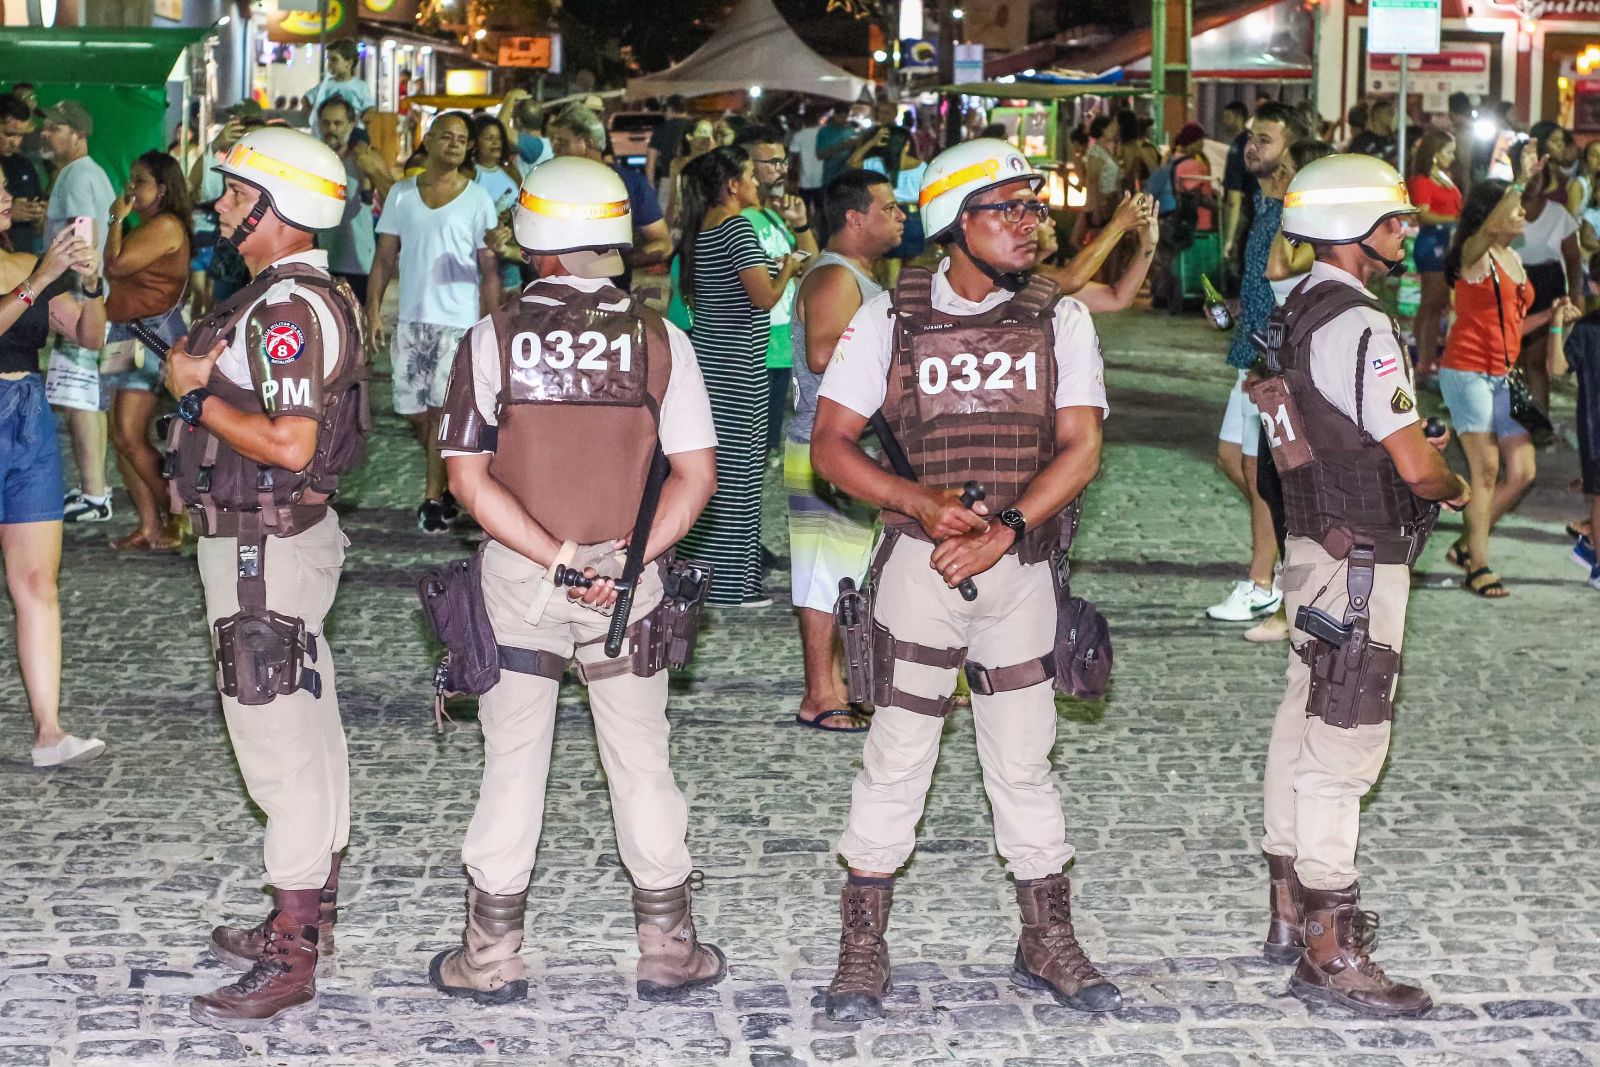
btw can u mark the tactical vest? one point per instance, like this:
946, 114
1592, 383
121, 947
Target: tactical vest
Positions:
1349, 491
580, 407
973, 397
215, 482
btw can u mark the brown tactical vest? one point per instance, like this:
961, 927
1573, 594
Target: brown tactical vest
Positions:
1351, 491
579, 408
215, 482
974, 398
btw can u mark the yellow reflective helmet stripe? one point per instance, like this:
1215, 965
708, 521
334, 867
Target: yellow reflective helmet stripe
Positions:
244, 156
557, 209
1361, 194
984, 168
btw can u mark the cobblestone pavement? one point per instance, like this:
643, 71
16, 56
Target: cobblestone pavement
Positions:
1479, 851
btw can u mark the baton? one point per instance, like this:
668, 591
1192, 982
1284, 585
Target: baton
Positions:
148, 339
971, 493
633, 563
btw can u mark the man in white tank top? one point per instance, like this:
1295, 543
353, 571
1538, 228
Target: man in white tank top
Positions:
830, 535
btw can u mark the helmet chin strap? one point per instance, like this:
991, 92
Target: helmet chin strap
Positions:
1010, 281
251, 221
1393, 268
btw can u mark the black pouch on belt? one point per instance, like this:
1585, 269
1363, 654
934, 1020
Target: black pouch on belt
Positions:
1352, 677
852, 619
453, 605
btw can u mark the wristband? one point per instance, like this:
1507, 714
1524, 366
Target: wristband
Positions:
24, 294
100, 291
1517, 187
1557, 331
800, 229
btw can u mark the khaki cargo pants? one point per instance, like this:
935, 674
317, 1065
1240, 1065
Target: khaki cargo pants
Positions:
291, 752
1317, 774
1012, 620
518, 717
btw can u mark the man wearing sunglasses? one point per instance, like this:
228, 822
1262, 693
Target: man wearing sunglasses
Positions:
982, 374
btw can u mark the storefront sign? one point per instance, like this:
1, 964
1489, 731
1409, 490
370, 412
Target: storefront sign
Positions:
535, 53
1403, 26
305, 27
1459, 68
969, 63
919, 55
402, 12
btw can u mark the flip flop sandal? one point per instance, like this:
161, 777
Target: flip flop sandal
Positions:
816, 724
1457, 556
132, 541
1487, 589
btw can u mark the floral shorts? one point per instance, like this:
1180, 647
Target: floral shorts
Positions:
422, 353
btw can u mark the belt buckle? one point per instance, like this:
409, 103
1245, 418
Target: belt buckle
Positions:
978, 679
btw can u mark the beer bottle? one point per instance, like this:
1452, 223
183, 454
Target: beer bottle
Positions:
1216, 310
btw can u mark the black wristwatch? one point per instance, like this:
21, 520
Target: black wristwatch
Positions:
1012, 518
190, 405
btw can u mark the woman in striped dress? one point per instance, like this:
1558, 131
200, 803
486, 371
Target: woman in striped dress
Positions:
729, 285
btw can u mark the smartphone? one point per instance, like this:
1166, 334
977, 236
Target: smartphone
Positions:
83, 227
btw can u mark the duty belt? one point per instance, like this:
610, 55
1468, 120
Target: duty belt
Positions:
277, 522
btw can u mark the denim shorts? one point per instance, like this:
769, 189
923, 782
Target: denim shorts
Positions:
1429, 249
124, 351
1479, 403
30, 459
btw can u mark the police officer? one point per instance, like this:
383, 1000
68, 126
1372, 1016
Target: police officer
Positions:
272, 408
551, 420
982, 374
1361, 484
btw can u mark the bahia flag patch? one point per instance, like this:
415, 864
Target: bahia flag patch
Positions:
1385, 365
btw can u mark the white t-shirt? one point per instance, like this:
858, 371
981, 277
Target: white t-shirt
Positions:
356, 92
439, 275
81, 188
1388, 397
234, 363
685, 424
858, 375
804, 145
1541, 241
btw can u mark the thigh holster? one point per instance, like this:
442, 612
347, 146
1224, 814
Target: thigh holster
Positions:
852, 618
665, 638
261, 654
1352, 677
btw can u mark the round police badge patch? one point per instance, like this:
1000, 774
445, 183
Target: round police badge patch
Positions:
283, 342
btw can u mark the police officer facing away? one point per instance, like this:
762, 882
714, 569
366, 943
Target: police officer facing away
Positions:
557, 404
982, 374
1361, 486
272, 407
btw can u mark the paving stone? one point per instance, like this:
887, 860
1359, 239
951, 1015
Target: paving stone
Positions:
112, 874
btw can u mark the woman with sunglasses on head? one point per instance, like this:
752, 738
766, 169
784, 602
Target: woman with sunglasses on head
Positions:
38, 297
1494, 297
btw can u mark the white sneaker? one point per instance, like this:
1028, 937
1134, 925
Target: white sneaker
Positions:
68, 751
1245, 603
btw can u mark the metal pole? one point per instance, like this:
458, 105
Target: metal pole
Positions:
1400, 112
1158, 66
322, 39
183, 112
947, 72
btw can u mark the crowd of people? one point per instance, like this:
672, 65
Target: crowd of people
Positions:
503, 269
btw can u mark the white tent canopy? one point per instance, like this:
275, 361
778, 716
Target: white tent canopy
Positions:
754, 47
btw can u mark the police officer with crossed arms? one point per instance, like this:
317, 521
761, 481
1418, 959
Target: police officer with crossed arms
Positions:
272, 409
986, 375
557, 405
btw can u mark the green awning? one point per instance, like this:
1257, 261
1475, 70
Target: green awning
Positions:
82, 55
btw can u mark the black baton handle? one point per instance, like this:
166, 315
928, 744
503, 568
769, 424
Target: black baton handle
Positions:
971, 493
571, 577
619, 620
148, 339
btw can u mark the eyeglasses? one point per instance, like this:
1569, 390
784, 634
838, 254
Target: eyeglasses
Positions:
1014, 211
778, 162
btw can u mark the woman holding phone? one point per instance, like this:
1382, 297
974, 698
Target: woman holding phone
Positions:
37, 297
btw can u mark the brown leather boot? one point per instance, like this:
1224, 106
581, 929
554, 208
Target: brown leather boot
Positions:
671, 959
488, 966
1285, 942
241, 946
862, 980
280, 987
1048, 954
1336, 967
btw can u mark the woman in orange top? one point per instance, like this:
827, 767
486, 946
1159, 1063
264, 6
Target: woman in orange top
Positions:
1433, 191
1493, 295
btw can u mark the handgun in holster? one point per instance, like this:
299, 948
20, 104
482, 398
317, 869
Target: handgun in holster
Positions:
261, 654
676, 624
852, 618
1352, 677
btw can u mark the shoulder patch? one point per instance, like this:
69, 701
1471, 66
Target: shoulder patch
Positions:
1401, 402
283, 342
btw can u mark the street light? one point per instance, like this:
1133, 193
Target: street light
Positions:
480, 34
958, 14
755, 92
880, 55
